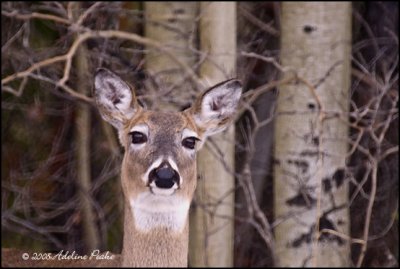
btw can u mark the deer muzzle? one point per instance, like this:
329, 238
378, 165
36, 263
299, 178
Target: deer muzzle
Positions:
164, 176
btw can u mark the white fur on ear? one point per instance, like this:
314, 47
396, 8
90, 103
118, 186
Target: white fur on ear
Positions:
218, 106
221, 101
113, 97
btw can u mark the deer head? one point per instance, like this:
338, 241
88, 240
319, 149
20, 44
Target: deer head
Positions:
159, 166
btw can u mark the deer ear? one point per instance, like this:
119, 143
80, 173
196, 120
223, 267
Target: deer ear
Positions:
215, 109
114, 98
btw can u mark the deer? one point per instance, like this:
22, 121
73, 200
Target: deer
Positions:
158, 171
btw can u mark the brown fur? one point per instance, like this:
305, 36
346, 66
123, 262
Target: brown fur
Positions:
166, 248
164, 139
158, 248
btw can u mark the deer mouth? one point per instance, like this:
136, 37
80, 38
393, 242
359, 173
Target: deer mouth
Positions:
160, 191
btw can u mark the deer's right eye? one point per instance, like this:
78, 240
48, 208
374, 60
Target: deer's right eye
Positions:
138, 137
190, 142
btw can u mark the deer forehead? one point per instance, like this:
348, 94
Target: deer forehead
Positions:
163, 125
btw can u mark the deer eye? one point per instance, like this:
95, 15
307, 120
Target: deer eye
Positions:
189, 142
138, 137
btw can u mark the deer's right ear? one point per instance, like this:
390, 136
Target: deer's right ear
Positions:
114, 98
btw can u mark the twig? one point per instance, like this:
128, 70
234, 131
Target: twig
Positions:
87, 12
344, 236
98, 34
369, 212
266, 59
257, 22
35, 15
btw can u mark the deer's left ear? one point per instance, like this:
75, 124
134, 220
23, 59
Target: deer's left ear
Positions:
215, 109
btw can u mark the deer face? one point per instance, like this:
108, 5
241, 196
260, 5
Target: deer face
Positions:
159, 167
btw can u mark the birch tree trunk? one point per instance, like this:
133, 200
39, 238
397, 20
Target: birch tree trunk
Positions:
211, 237
173, 25
311, 189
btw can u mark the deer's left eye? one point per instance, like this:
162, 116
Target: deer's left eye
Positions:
138, 137
189, 142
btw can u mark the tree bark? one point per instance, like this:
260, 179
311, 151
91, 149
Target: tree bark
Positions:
211, 236
310, 185
82, 138
173, 25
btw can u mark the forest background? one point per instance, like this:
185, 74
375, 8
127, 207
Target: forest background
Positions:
61, 162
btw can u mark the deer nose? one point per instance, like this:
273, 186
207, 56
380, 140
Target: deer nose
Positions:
164, 176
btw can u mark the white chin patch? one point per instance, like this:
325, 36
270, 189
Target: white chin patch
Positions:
152, 211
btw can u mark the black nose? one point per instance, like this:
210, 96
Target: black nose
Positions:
164, 176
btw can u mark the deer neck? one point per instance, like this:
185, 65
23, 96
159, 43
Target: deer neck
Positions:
155, 239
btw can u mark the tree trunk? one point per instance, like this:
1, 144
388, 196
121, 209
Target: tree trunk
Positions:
211, 236
311, 136
173, 25
82, 138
